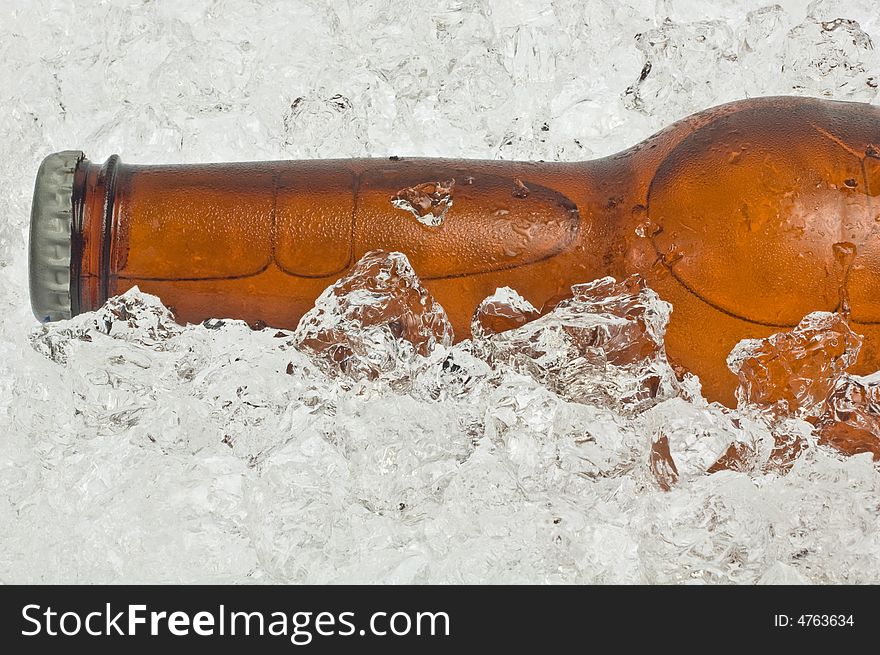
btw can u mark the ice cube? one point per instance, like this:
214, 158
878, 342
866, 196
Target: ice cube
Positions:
504, 310
54, 341
788, 447
781, 573
851, 423
696, 435
429, 202
602, 345
645, 316
375, 322
451, 373
792, 373
831, 55
138, 317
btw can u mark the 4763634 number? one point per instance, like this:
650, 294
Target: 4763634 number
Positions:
814, 620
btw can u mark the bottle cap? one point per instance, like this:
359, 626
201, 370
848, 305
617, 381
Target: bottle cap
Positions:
50, 236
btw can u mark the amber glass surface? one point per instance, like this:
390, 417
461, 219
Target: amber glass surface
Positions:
735, 215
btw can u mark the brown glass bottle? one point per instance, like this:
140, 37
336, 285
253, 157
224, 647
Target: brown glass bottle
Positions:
734, 215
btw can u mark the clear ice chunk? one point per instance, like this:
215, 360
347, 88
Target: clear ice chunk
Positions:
792, 373
832, 56
137, 317
644, 317
851, 423
603, 345
502, 311
428, 202
376, 322
451, 373
676, 58
781, 573
789, 444
54, 342
697, 436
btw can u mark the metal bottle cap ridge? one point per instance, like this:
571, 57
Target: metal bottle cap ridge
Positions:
50, 236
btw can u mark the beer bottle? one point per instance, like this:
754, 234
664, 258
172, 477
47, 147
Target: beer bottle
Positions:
745, 217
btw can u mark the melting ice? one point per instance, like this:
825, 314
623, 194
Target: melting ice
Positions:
428, 202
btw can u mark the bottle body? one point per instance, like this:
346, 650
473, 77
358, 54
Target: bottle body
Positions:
737, 216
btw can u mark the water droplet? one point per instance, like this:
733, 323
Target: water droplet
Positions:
850, 182
872, 151
648, 228
844, 254
659, 269
734, 157
672, 255
522, 226
520, 190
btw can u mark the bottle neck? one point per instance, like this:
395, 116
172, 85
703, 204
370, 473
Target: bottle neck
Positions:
94, 202
534, 226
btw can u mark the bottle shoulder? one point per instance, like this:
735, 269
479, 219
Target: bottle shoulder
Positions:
748, 204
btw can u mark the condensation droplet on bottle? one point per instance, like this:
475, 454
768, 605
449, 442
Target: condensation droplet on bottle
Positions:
672, 255
520, 190
844, 254
648, 228
659, 269
525, 228
872, 151
429, 202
